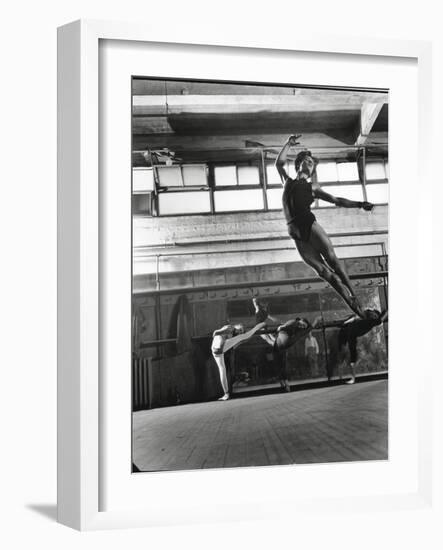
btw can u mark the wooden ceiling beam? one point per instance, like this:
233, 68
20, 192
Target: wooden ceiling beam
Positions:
211, 142
368, 116
232, 124
154, 105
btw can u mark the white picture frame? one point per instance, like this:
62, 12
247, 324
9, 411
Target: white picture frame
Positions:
80, 268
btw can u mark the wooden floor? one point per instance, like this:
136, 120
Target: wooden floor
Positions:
334, 424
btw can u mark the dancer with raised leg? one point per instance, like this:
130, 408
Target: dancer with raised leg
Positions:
310, 238
224, 339
286, 335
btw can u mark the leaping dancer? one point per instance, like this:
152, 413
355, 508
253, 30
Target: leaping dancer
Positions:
224, 339
310, 238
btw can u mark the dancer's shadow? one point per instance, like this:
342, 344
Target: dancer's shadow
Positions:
48, 511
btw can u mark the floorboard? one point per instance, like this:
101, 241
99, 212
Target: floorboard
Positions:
339, 423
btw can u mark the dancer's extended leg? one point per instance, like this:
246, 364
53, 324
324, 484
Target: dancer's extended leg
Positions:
237, 340
261, 315
282, 343
220, 361
314, 259
322, 244
346, 340
352, 343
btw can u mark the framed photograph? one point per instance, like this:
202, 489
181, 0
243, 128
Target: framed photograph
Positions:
232, 312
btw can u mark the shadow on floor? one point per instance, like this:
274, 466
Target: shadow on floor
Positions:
48, 511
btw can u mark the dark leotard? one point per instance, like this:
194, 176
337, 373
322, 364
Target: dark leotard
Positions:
297, 200
349, 333
286, 337
288, 334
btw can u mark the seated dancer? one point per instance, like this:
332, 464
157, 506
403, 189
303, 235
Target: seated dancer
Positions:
224, 339
286, 335
310, 238
350, 330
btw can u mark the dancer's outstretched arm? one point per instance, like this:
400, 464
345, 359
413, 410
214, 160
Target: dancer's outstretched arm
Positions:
349, 319
237, 340
319, 193
338, 323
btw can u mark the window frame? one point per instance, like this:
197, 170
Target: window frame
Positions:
262, 165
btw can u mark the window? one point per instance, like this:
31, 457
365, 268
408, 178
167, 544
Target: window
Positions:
229, 181
275, 198
194, 175
378, 193
375, 171
327, 171
189, 202
142, 204
244, 199
169, 190
236, 175
248, 175
273, 177
225, 175
142, 180
169, 176
347, 171
190, 175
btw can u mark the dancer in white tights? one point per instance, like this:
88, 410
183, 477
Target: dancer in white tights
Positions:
224, 339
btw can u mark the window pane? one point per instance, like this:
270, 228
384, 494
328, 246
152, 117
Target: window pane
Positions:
141, 204
375, 171
327, 171
273, 176
190, 202
347, 171
378, 193
274, 198
169, 176
351, 192
142, 180
248, 175
245, 199
225, 175
194, 175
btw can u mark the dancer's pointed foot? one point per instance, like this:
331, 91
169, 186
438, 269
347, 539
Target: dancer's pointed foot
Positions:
350, 380
285, 385
356, 307
261, 313
257, 304
225, 397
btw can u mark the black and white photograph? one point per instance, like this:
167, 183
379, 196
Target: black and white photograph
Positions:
214, 250
259, 274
